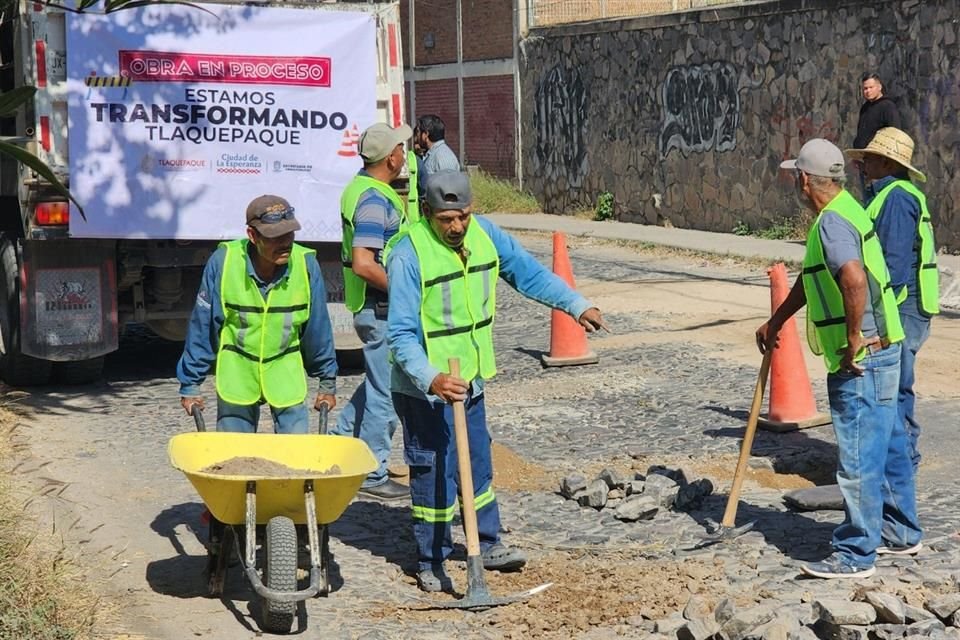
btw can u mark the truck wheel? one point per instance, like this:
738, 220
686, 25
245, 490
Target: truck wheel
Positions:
79, 372
279, 573
16, 369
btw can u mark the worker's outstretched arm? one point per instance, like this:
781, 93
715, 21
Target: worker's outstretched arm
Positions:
203, 333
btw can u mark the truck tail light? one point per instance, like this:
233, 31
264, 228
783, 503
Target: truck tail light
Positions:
53, 213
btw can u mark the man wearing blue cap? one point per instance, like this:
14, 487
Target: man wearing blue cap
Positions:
442, 285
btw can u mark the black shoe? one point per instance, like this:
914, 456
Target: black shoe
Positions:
389, 490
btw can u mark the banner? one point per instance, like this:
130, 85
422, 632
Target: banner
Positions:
178, 118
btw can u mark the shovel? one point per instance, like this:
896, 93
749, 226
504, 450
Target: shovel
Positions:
478, 596
726, 529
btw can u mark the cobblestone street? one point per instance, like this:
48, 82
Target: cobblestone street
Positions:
673, 388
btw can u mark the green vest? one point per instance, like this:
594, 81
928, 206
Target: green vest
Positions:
355, 287
928, 278
413, 195
259, 354
826, 319
458, 300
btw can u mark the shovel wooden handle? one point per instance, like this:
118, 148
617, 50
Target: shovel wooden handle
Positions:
730, 513
466, 472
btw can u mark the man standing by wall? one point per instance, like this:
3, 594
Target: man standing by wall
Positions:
899, 213
854, 323
443, 279
372, 214
878, 111
439, 156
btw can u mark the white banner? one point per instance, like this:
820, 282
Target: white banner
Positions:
179, 118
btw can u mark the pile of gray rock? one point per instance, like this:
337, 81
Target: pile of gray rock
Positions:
876, 616
639, 498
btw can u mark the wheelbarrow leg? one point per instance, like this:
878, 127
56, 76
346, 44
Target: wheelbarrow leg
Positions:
219, 548
319, 539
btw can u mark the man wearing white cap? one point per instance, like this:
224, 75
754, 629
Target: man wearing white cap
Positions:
853, 321
899, 212
372, 214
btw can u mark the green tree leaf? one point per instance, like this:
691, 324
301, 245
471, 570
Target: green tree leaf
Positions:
12, 100
25, 157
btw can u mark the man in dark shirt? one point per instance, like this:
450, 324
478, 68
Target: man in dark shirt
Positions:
902, 221
877, 112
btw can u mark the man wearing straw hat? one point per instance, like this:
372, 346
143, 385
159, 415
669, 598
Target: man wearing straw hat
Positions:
902, 221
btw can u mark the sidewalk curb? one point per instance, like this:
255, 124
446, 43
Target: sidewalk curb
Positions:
720, 244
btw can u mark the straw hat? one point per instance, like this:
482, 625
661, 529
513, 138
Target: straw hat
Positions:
894, 144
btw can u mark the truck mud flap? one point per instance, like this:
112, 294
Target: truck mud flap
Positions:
68, 299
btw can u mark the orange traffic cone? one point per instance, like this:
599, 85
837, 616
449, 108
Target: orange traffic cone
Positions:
568, 340
792, 405
348, 146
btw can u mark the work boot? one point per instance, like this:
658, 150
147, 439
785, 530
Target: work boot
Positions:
389, 490
434, 579
500, 557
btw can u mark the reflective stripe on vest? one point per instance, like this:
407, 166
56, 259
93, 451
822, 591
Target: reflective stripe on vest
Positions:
826, 318
355, 287
928, 277
458, 300
413, 193
259, 353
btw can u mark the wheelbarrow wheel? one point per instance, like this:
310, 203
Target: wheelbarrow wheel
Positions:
279, 573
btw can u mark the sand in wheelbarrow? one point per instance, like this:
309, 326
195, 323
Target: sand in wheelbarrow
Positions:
250, 466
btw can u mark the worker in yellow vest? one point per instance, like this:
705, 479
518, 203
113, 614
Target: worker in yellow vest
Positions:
261, 318
899, 213
853, 322
442, 282
372, 214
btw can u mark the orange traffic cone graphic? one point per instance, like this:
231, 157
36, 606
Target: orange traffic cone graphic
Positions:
568, 340
792, 405
348, 146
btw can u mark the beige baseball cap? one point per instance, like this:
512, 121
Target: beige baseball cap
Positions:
379, 141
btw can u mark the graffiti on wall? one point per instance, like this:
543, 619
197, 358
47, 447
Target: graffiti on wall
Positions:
560, 121
701, 108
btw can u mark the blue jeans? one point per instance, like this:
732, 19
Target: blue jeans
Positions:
237, 418
874, 469
430, 448
916, 326
370, 415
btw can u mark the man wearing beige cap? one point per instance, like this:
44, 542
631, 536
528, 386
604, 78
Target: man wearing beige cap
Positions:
853, 322
260, 338
899, 212
372, 214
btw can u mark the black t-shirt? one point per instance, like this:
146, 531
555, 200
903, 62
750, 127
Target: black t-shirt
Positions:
874, 116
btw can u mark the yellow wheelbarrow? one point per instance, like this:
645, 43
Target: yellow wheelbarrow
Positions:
297, 480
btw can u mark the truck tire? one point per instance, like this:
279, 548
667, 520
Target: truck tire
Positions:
79, 372
16, 369
279, 573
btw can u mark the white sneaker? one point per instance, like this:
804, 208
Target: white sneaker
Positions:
912, 550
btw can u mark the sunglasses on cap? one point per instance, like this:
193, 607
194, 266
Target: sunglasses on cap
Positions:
273, 217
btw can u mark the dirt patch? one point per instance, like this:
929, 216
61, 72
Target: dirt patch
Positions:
586, 593
252, 467
513, 473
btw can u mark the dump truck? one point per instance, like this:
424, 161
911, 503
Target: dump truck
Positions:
163, 121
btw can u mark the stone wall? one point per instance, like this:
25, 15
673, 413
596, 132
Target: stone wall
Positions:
685, 118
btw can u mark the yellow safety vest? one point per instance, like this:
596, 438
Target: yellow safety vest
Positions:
928, 277
826, 318
355, 287
259, 353
458, 300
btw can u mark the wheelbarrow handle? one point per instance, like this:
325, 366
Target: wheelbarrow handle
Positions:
322, 420
197, 414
